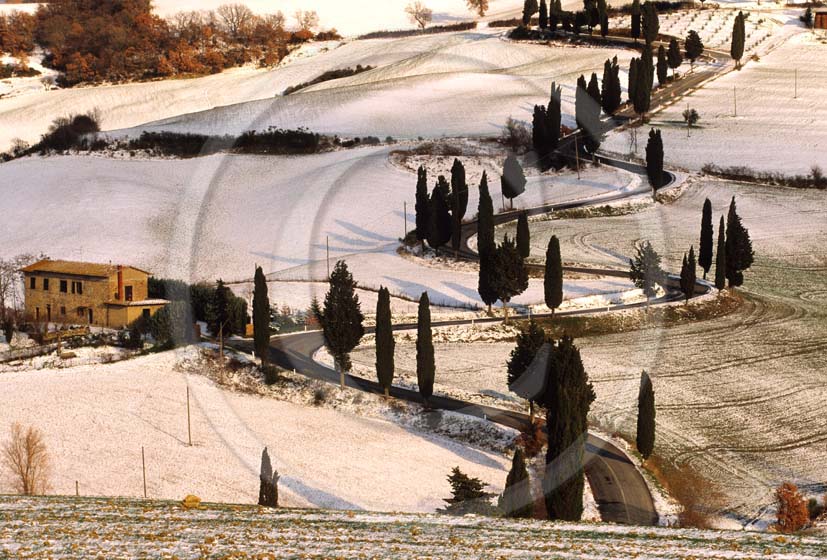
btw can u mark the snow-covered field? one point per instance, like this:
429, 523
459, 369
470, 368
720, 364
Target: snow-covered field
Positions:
97, 418
740, 398
219, 216
53, 527
438, 74
773, 131
461, 84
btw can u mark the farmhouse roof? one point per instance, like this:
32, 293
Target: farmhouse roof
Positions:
75, 268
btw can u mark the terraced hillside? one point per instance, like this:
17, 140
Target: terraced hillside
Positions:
81, 528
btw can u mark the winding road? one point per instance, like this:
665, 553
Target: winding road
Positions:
621, 493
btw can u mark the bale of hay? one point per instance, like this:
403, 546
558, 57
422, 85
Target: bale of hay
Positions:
191, 502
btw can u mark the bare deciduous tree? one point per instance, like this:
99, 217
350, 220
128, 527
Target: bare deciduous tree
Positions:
419, 14
307, 20
276, 21
236, 18
11, 281
26, 456
479, 6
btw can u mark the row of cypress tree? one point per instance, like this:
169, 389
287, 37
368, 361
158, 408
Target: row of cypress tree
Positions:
502, 271
734, 253
439, 215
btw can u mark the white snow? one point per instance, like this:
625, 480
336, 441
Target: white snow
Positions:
773, 131
462, 84
326, 458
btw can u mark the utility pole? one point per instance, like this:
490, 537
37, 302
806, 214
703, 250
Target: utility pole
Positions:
328, 258
189, 425
796, 84
405, 214
735, 100
143, 466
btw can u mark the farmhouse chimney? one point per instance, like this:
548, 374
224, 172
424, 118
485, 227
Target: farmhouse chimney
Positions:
120, 283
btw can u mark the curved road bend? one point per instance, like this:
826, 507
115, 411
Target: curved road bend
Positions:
620, 491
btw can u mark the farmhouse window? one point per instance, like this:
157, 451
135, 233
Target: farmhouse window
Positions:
128, 292
77, 288
45, 284
32, 283
63, 311
64, 286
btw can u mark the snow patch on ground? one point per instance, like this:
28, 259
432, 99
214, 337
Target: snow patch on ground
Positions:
377, 464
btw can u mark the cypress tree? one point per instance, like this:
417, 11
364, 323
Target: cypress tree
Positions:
459, 203
513, 179
707, 238
441, 225
385, 343
523, 236
688, 275
425, 365
604, 24
554, 116
554, 13
261, 317
644, 79
553, 281
486, 245
587, 112
268, 492
651, 25
720, 257
606, 87
645, 269
694, 47
510, 275
543, 14
529, 341
674, 56
646, 417
529, 9
341, 318
516, 499
568, 397
636, 15
647, 58
633, 81
739, 253
738, 38
459, 187
593, 90
581, 102
610, 89
592, 14
423, 206
539, 134
580, 19
654, 159
662, 66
